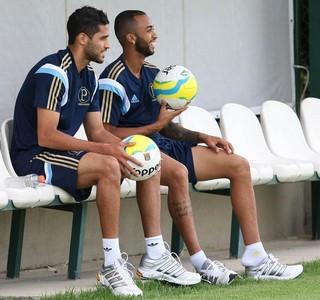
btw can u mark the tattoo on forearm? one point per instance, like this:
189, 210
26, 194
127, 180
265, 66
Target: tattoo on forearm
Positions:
182, 208
177, 132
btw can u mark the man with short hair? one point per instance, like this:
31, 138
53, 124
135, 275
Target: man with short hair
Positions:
58, 95
128, 107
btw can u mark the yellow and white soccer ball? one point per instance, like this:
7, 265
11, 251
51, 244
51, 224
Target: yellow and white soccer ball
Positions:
177, 85
147, 152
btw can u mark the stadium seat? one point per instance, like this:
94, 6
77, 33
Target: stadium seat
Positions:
284, 135
20, 197
4, 200
241, 127
198, 119
310, 121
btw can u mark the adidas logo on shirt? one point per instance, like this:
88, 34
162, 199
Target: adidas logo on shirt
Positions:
134, 99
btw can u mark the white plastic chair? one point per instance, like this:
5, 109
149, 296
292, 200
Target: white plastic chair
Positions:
242, 128
20, 197
4, 199
198, 119
284, 135
310, 121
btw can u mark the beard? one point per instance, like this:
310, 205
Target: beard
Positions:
94, 55
143, 48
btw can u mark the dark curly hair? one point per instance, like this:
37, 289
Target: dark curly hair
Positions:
85, 19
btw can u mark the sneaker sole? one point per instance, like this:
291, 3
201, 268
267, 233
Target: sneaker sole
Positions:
165, 277
102, 282
224, 281
270, 277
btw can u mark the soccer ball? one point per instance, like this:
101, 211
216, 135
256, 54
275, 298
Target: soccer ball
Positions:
147, 152
177, 85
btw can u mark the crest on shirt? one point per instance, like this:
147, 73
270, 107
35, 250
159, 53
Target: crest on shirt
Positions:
84, 96
151, 93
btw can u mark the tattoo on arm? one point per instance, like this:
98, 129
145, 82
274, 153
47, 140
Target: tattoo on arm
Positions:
181, 208
176, 132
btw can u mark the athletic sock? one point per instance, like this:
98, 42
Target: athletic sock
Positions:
155, 246
253, 255
198, 259
111, 250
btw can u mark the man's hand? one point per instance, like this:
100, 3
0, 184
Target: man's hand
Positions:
217, 143
117, 150
166, 116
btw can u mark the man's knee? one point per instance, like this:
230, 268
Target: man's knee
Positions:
241, 165
103, 166
179, 174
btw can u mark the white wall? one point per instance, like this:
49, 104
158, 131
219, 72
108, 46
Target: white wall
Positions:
239, 50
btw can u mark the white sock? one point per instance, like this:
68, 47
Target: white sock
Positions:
111, 250
253, 255
198, 259
155, 246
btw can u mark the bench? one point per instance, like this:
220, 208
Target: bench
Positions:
239, 125
18, 201
51, 197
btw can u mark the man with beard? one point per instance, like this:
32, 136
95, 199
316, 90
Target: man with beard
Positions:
58, 95
128, 107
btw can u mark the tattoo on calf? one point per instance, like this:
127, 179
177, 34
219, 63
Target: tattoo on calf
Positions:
182, 208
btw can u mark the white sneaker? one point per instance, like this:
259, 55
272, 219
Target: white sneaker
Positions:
166, 268
271, 269
215, 272
119, 279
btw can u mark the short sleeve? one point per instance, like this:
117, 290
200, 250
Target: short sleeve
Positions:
51, 87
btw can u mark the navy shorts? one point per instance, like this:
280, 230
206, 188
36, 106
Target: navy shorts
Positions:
180, 151
60, 168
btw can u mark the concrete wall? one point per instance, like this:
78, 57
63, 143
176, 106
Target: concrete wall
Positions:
282, 212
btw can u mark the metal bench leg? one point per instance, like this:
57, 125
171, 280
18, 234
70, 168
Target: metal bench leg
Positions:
77, 240
15, 244
176, 240
236, 239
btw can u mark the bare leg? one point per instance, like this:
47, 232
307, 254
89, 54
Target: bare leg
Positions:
149, 201
175, 176
105, 172
211, 165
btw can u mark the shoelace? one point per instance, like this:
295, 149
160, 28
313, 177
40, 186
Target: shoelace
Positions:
272, 266
213, 277
178, 265
121, 275
125, 265
220, 266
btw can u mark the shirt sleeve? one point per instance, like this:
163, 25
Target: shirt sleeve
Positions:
95, 106
51, 87
114, 101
